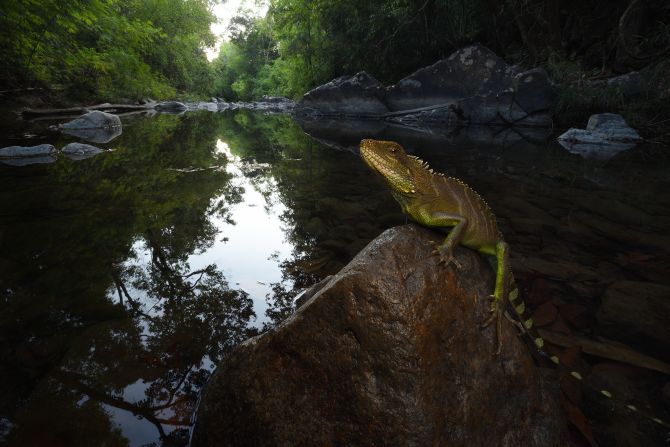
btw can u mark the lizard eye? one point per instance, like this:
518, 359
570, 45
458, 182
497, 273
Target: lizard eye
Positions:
393, 150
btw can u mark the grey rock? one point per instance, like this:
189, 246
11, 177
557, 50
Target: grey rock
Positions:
93, 120
387, 352
613, 127
80, 151
472, 86
210, 106
275, 99
473, 70
27, 151
533, 91
606, 135
171, 107
359, 95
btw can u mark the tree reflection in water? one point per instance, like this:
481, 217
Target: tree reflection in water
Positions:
92, 329
108, 331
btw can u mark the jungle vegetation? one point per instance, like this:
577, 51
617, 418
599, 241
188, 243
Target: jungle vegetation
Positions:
110, 49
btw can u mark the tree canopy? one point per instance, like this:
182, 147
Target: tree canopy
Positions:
107, 48
303, 43
114, 49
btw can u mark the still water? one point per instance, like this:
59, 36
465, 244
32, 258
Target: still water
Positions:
125, 278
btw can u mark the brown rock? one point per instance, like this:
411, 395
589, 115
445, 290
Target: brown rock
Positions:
389, 352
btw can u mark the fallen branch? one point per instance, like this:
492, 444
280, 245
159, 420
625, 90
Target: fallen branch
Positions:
607, 349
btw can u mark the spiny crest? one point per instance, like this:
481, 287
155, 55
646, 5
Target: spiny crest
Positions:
425, 165
481, 203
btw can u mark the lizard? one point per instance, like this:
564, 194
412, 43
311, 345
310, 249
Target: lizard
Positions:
434, 200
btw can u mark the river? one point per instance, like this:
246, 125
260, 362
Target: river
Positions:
125, 278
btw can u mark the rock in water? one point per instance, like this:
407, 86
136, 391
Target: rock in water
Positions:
388, 352
93, 120
473, 70
80, 151
360, 95
171, 107
27, 151
612, 127
606, 135
472, 86
95, 126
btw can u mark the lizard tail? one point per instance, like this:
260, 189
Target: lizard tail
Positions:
528, 325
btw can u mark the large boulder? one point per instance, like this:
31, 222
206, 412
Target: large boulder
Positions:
472, 86
359, 95
474, 70
606, 135
387, 352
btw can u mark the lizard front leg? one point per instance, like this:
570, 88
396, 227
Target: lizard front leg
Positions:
457, 225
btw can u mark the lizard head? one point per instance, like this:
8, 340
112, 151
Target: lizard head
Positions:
390, 160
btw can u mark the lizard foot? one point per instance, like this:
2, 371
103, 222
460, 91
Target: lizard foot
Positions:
446, 256
494, 316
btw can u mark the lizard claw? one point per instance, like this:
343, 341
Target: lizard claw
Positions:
446, 256
494, 316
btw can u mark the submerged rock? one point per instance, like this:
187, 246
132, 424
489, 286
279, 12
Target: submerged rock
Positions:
387, 352
80, 151
606, 135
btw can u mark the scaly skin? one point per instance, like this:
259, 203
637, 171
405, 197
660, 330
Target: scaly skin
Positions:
448, 204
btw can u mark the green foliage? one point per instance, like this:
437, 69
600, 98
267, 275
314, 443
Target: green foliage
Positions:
107, 48
577, 97
303, 43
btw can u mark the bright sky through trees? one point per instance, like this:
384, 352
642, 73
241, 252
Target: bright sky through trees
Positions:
226, 11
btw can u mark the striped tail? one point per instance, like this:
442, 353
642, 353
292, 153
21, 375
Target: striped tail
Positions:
527, 323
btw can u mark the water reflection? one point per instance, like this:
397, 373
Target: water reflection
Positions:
126, 277
105, 314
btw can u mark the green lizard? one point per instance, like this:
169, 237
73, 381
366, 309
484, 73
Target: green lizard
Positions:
434, 200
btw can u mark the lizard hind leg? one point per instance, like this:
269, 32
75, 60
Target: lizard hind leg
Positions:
503, 280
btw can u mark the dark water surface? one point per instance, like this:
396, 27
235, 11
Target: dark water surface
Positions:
126, 277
